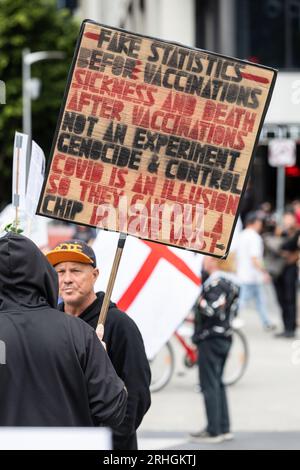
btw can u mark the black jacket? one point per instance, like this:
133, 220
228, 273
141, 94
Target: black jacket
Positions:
216, 307
291, 244
126, 350
56, 371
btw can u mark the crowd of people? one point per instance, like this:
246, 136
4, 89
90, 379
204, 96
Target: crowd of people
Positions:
267, 252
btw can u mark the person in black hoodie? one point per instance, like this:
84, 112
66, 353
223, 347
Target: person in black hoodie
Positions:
75, 263
56, 371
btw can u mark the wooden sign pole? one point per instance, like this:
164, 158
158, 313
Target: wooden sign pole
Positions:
112, 278
17, 169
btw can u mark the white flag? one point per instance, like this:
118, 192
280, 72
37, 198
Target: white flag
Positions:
156, 284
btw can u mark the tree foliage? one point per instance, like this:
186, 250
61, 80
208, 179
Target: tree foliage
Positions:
39, 26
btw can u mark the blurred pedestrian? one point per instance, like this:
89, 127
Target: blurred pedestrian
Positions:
251, 272
84, 233
248, 200
75, 263
56, 372
268, 217
286, 282
296, 209
214, 312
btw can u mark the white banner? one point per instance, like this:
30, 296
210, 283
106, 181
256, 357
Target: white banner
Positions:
35, 179
37, 231
55, 438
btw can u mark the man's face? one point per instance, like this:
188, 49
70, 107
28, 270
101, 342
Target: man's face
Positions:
289, 221
209, 264
76, 282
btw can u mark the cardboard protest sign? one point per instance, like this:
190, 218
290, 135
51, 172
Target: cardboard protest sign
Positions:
155, 139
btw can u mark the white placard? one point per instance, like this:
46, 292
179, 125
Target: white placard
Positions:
52, 438
35, 179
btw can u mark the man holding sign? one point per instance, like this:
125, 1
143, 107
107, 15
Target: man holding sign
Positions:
75, 263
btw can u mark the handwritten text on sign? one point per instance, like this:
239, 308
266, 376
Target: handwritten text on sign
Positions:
155, 139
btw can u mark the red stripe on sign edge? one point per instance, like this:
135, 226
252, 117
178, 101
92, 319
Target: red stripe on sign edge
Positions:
94, 36
255, 78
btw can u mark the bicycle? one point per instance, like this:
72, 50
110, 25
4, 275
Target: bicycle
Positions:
163, 364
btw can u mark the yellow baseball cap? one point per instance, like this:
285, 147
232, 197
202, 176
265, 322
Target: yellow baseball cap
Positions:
72, 250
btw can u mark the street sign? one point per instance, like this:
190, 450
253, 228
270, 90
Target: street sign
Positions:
282, 152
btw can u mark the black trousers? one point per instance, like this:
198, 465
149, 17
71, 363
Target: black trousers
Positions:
212, 356
125, 442
286, 291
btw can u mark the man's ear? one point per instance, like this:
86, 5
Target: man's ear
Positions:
95, 274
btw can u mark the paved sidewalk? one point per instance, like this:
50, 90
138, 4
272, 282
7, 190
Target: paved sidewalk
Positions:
242, 441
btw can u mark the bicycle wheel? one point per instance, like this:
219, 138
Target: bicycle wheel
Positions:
162, 368
237, 360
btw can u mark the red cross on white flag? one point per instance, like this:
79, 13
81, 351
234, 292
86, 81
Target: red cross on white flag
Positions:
156, 284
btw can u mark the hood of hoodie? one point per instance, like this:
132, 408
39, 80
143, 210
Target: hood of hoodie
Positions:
26, 277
